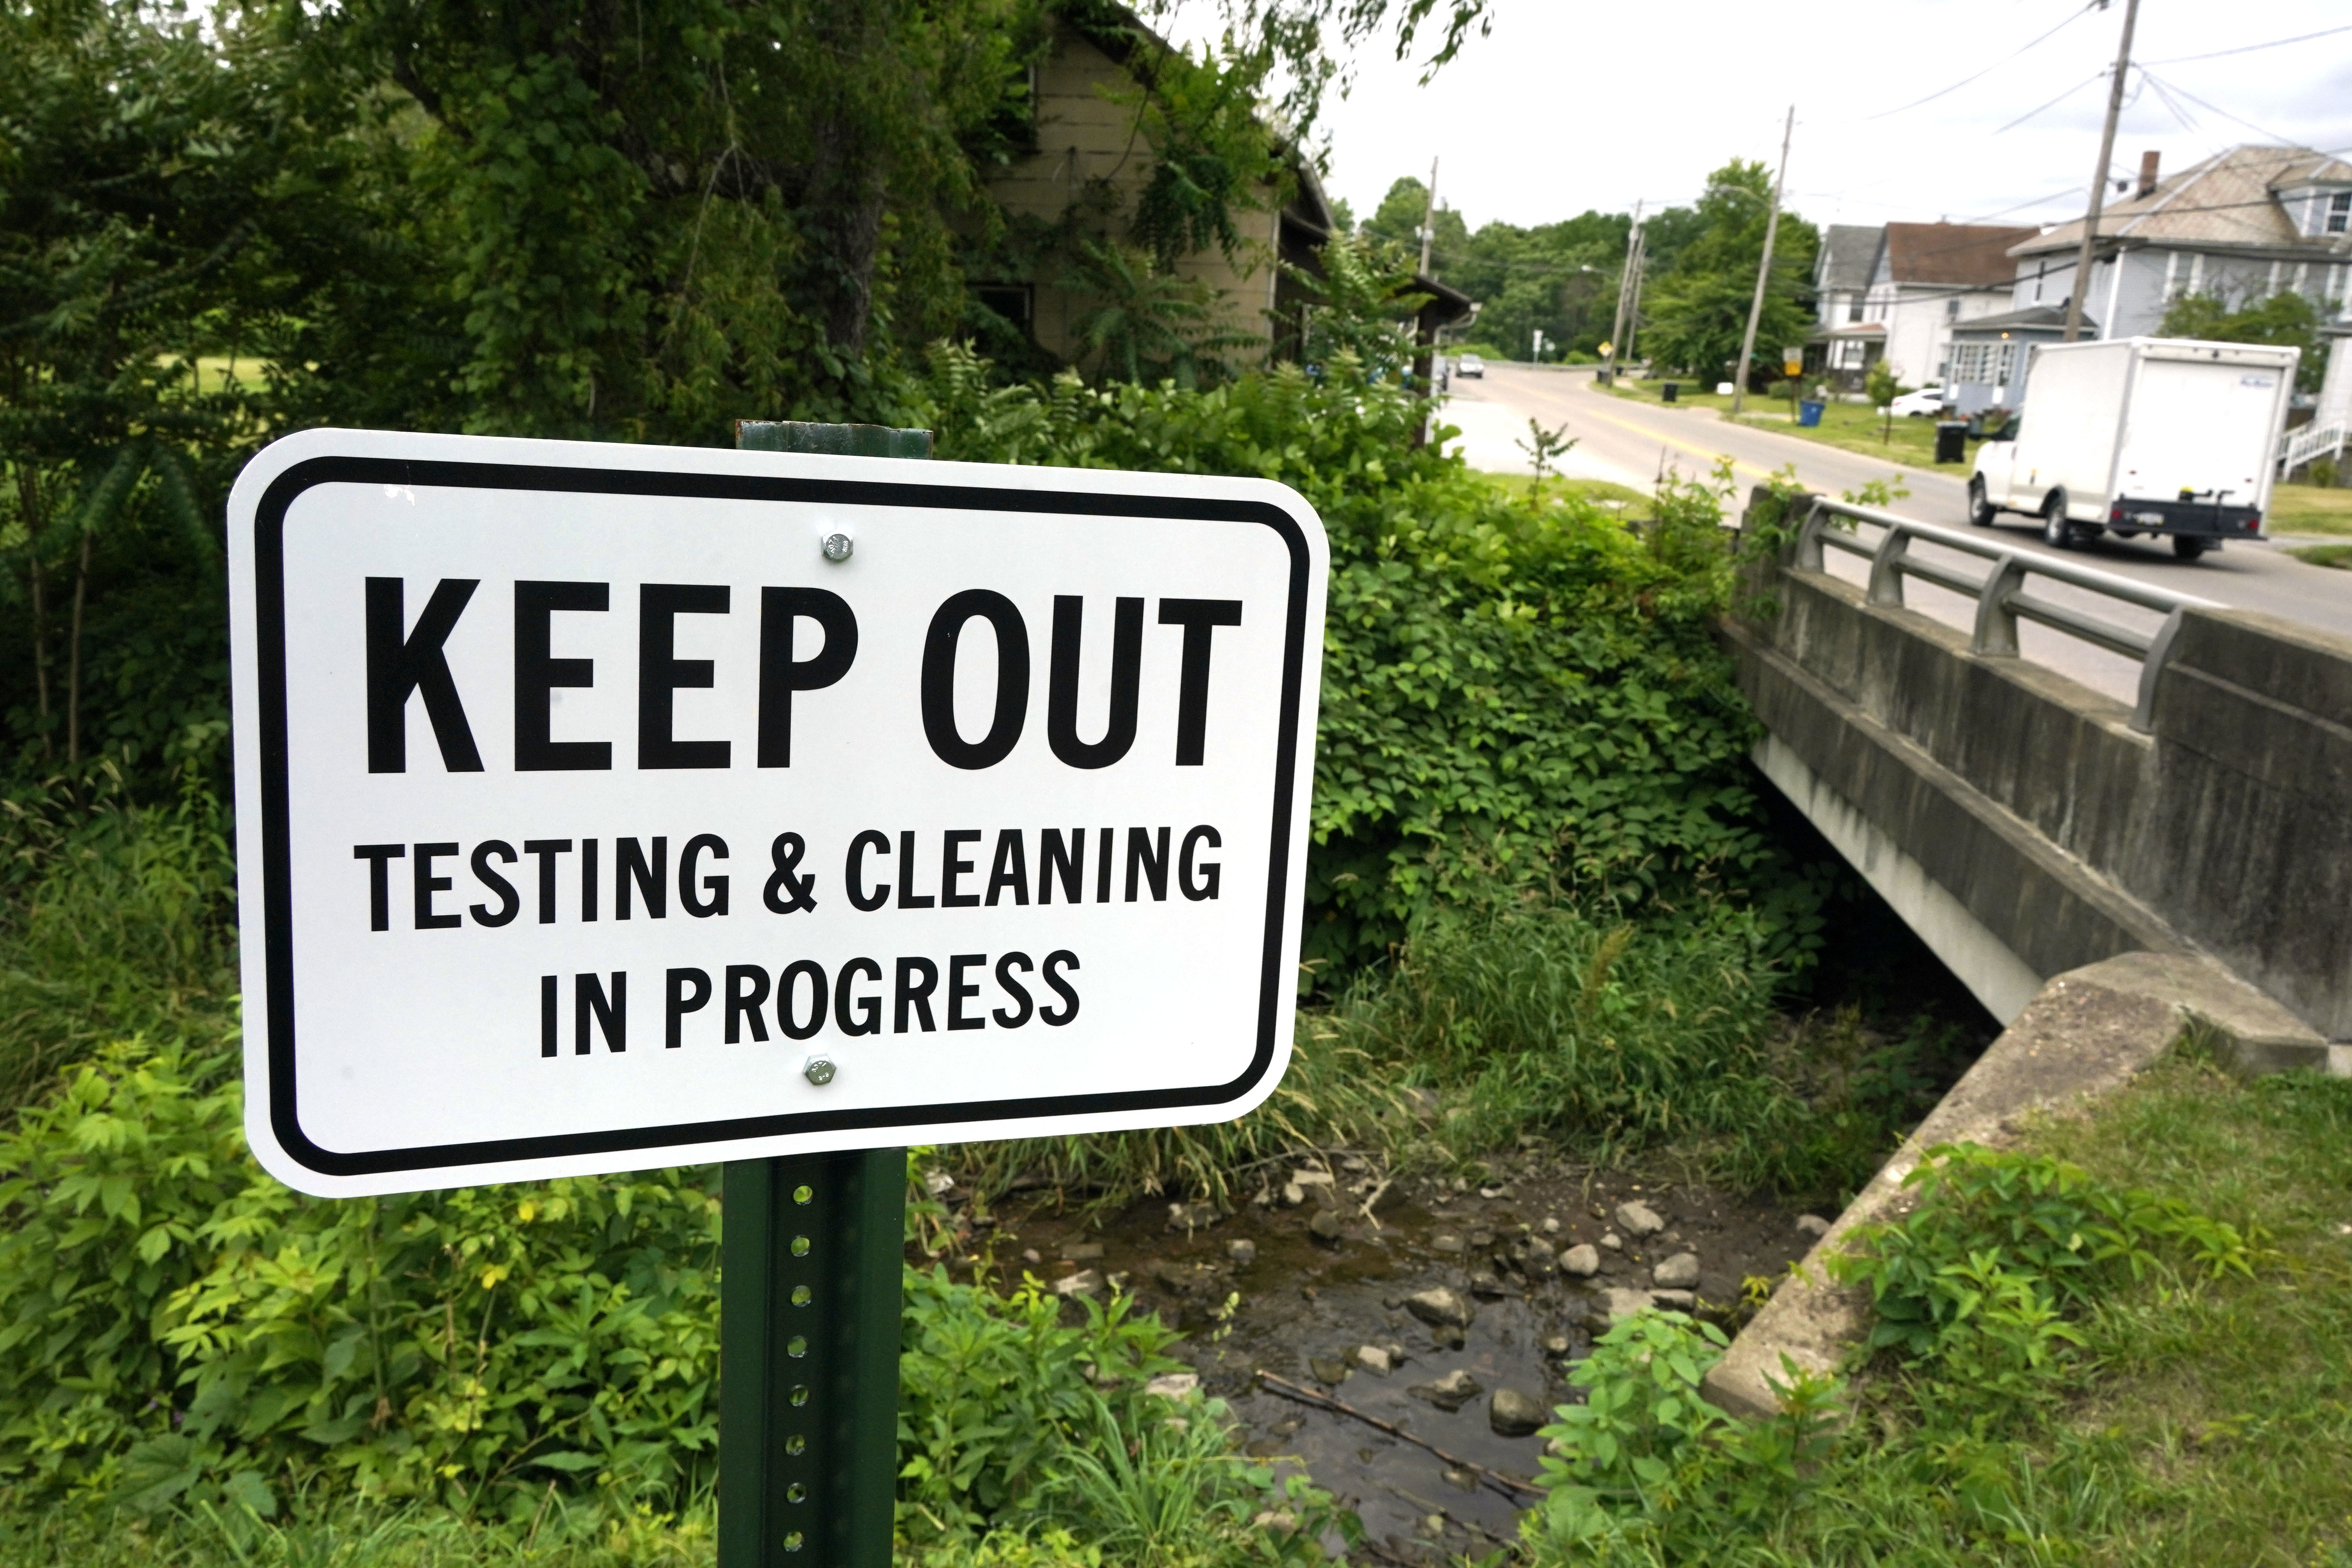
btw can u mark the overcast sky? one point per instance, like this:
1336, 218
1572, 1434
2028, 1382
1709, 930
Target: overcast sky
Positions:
1569, 107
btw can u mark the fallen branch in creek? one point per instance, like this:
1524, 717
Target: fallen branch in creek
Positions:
1494, 1480
1509, 1546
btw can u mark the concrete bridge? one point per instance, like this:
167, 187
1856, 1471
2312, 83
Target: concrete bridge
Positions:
2026, 825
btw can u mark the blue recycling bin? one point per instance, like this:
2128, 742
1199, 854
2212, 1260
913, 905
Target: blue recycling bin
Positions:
1809, 412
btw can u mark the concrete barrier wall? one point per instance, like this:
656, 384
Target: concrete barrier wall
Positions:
2246, 838
2067, 835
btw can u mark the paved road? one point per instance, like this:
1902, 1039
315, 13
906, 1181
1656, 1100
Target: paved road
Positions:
1631, 443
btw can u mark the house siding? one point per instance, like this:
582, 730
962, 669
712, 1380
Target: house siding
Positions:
1084, 133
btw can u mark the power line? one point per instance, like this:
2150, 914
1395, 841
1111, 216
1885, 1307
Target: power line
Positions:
2175, 87
1986, 72
2054, 103
2249, 48
2172, 106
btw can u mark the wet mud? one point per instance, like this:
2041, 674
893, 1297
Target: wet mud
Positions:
1314, 1283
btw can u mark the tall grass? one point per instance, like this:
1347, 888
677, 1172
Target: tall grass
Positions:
1335, 1095
1603, 1036
116, 918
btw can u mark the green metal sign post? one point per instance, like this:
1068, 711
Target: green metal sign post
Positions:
810, 1292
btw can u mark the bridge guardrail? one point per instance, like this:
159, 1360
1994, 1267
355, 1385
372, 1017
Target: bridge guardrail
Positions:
2001, 594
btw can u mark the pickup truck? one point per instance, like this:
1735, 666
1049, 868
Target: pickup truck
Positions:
2163, 437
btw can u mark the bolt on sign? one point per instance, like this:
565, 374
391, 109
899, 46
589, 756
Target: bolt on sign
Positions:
610, 806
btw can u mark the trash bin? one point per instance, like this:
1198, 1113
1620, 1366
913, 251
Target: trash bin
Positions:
1671, 391
1809, 412
1951, 440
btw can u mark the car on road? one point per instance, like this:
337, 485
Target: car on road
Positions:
1928, 400
1470, 365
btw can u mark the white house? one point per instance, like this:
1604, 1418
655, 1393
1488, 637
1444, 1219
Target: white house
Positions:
2242, 225
1850, 343
1928, 277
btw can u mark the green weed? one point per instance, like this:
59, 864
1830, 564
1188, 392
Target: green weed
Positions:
2196, 1409
115, 919
181, 1336
1976, 1284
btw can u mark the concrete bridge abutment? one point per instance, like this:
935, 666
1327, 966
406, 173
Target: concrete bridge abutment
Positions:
2023, 828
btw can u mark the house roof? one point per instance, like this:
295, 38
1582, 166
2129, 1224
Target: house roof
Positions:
2031, 319
1442, 305
1131, 42
1969, 255
1849, 250
2230, 199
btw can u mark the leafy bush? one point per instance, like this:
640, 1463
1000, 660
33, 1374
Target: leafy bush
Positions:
178, 1330
1974, 1287
1645, 1464
1524, 692
179, 1325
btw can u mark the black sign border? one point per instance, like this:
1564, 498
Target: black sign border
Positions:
277, 877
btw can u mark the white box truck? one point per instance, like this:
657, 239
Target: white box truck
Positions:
2154, 436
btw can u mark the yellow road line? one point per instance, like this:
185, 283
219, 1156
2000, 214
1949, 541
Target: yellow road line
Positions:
1704, 454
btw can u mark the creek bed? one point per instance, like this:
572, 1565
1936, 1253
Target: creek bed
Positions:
1308, 1305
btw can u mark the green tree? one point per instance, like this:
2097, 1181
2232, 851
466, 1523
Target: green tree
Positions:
1560, 278
164, 210
1395, 230
2285, 319
1696, 312
647, 220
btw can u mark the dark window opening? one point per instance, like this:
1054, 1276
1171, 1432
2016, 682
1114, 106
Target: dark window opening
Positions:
1016, 302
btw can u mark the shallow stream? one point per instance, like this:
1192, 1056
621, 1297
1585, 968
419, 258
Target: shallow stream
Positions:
1319, 1312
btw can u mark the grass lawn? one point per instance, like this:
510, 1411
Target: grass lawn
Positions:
2307, 508
2337, 555
1852, 426
2225, 1408
2199, 1415
1602, 490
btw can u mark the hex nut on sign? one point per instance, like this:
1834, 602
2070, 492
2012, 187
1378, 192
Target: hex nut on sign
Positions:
819, 1070
837, 547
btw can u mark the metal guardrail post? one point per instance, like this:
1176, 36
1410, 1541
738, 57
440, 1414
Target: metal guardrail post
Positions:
1886, 568
1809, 538
810, 1292
2151, 666
1996, 632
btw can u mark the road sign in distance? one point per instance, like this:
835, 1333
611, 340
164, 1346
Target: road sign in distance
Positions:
608, 806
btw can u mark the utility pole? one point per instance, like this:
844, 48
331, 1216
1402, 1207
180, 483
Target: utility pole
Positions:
1424, 358
1624, 291
2099, 180
1764, 270
1429, 218
1633, 306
